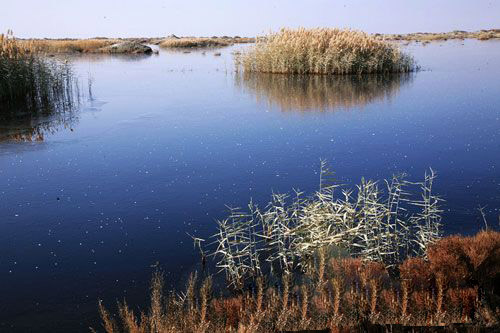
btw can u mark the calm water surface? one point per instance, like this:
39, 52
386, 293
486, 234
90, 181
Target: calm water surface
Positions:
166, 141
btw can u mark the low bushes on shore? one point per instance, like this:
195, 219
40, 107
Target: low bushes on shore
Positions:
324, 51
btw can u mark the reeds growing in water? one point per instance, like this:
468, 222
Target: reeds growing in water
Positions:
323, 51
376, 224
31, 83
194, 42
454, 285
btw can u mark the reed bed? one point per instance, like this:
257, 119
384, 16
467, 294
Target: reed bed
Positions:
323, 51
194, 42
455, 284
29, 82
381, 222
323, 93
69, 45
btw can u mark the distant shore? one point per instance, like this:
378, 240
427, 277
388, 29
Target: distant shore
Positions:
101, 44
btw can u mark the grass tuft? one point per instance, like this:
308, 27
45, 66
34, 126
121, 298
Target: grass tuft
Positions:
323, 51
194, 42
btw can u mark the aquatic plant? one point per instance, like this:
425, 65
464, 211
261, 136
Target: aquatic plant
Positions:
31, 83
323, 51
194, 42
349, 294
370, 223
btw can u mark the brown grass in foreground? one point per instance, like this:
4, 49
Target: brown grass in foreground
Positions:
194, 42
323, 51
457, 284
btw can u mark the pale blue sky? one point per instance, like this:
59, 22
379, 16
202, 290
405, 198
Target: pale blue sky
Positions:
127, 18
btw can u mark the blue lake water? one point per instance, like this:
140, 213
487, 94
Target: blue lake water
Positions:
108, 195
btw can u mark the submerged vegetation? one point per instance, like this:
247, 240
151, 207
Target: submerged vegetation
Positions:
323, 51
321, 92
29, 82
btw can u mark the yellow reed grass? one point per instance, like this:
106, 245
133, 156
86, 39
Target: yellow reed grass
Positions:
194, 42
323, 51
69, 45
29, 82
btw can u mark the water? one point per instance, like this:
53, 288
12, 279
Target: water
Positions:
105, 197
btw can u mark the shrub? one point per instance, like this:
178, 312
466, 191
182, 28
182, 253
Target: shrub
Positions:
323, 51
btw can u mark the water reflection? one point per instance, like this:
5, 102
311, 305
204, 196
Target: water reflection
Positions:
28, 123
36, 128
321, 93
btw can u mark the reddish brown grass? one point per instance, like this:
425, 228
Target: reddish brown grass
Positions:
445, 289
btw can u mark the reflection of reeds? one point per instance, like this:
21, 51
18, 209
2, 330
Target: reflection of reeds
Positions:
28, 128
321, 93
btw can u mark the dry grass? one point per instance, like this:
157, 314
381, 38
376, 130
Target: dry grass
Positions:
194, 42
321, 92
386, 223
323, 51
69, 45
348, 294
442, 36
29, 83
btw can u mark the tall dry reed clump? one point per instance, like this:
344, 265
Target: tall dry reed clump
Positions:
29, 82
342, 293
323, 51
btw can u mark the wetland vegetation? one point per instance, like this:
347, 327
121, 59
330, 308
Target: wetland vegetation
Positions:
442, 36
31, 83
359, 260
324, 51
340, 258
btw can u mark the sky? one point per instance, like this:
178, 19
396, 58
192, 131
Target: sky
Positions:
155, 18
